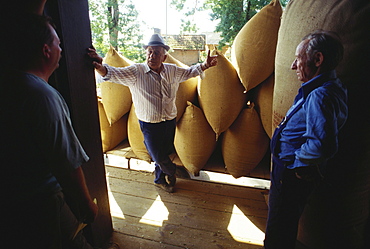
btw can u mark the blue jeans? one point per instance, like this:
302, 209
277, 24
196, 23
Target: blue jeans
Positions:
287, 199
158, 140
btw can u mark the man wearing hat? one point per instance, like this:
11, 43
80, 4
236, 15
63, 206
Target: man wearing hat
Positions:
153, 87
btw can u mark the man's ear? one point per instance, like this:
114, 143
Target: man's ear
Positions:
46, 51
165, 57
319, 59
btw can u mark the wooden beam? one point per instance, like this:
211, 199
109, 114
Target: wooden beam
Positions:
74, 79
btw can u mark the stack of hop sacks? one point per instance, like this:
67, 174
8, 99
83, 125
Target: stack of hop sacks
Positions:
217, 108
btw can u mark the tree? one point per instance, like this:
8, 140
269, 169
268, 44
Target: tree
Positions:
114, 22
232, 14
190, 7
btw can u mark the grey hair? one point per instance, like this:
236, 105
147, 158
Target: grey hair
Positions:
326, 42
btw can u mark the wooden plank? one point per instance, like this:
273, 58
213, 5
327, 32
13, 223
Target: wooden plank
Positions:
132, 242
74, 79
177, 235
199, 213
214, 164
193, 198
204, 175
197, 186
217, 217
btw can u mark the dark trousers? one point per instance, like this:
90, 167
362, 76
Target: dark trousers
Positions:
41, 223
287, 198
158, 139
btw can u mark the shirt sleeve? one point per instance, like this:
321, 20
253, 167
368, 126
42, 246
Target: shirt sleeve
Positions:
121, 75
61, 145
183, 74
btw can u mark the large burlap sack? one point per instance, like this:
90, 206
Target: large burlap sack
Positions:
194, 139
221, 95
187, 90
253, 50
338, 211
172, 60
111, 136
136, 137
244, 144
263, 103
347, 18
116, 97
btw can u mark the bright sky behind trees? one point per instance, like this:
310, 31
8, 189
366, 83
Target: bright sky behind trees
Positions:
153, 13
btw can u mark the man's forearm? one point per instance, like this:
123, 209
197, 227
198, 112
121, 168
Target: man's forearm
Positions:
74, 186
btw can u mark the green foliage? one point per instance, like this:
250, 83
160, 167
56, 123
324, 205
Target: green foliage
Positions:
232, 14
189, 8
115, 22
188, 27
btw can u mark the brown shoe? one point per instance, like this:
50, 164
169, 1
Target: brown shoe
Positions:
171, 180
165, 187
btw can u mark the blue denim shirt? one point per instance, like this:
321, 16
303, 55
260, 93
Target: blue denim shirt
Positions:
311, 134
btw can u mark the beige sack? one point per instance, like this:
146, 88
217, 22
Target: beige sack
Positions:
187, 90
194, 139
263, 103
172, 60
253, 50
244, 144
116, 97
347, 18
111, 135
221, 95
136, 137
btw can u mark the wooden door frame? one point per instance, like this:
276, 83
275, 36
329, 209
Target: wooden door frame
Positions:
75, 80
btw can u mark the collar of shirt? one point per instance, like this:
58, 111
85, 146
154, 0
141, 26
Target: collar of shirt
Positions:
317, 81
148, 69
314, 83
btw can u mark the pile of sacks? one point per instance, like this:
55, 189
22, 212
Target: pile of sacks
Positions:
231, 106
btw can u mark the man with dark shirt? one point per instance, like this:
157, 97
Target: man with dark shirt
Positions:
39, 152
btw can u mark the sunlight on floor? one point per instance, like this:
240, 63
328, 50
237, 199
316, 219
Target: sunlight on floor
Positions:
229, 179
243, 230
156, 214
240, 227
115, 209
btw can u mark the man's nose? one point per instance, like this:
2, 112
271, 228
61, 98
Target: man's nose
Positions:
294, 65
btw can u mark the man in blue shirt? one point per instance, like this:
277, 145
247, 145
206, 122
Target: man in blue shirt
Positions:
307, 137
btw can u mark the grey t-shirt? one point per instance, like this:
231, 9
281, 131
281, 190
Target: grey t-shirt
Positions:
37, 138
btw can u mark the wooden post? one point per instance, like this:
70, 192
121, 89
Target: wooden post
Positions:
74, 79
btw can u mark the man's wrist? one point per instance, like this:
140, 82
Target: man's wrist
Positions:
205, 66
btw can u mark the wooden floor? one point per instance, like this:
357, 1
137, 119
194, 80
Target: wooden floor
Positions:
199, 215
